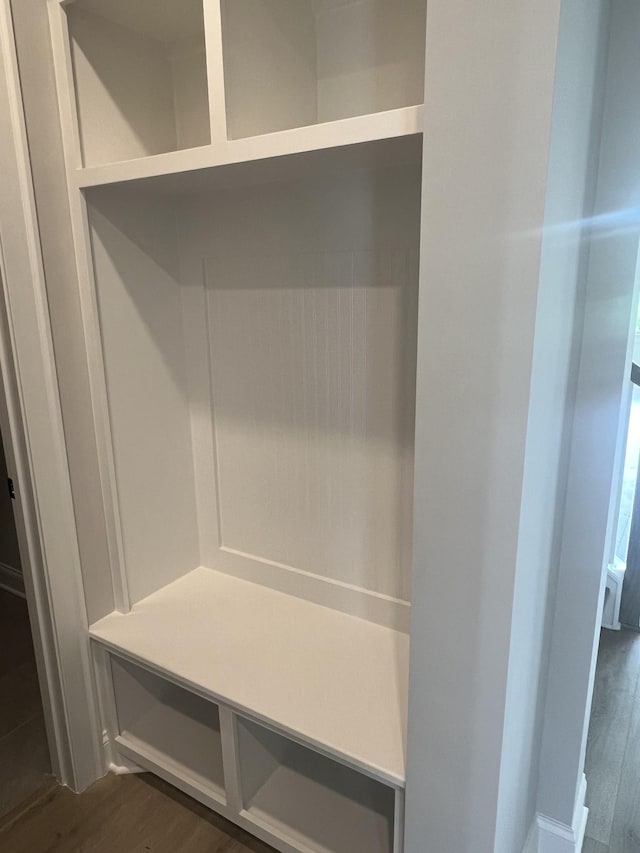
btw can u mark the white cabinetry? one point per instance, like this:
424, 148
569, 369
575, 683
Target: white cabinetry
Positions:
244, 178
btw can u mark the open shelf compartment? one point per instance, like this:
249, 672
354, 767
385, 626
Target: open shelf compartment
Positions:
310, 801
293, 63
259, 354
140, 77
165, 726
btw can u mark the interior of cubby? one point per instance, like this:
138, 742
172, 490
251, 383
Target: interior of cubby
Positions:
293, 63
309, 799
140, 76
259, 346
176, 727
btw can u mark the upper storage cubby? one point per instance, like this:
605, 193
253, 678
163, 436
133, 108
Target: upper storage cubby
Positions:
293, 63
140, 77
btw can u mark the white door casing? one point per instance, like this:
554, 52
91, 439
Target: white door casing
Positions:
32, 428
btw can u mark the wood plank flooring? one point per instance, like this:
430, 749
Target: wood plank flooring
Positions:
613, 749
24, 754
134, 814
121, 814
591, 846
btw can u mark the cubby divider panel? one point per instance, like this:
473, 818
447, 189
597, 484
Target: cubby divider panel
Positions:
173, 722
140, 77
310, 800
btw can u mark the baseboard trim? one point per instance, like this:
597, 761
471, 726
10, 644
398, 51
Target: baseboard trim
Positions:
11, 580
550, 836
125, 768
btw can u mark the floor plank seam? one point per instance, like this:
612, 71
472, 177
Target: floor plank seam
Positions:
23, 809
634, 701
20, 725
614, 728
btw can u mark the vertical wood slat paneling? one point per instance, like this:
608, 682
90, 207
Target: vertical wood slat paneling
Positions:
312, 372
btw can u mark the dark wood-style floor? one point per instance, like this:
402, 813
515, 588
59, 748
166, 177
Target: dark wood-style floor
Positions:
127, 814
24, 755
134, 814
121, 814
613, 749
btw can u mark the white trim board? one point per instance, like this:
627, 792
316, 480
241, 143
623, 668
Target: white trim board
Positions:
34, 442
12, 580
549, 836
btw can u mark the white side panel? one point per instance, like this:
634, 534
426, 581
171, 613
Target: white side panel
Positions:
488, 106
124, 92
270, 65
141, 322
370, 57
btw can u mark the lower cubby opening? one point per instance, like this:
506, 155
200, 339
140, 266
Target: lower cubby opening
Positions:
169, 726
310, 801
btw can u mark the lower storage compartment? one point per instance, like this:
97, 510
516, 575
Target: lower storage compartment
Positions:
308, 800
286, 793
168, 726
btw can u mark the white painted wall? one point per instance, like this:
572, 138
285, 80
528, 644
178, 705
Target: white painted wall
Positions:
600, 393
487, 127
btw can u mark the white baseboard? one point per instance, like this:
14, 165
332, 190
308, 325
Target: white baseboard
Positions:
11, 579
551, 836
125, 768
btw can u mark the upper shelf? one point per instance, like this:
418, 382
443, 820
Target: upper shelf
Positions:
366, 132
158, 88
337, 682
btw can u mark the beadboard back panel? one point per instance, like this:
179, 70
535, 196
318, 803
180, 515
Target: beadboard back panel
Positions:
269, 335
